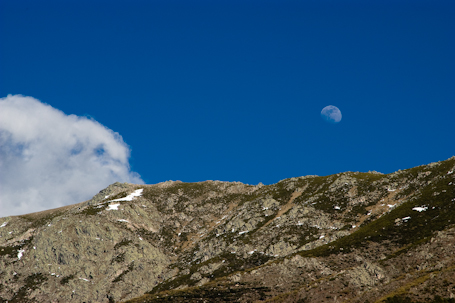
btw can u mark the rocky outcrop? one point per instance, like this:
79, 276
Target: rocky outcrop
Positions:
351, 236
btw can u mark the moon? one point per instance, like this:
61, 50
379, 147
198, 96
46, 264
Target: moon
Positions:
331, 114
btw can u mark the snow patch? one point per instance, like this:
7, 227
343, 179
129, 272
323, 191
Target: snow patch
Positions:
84, 279
243, 232
131, 196
4, 224
405, 219
336, 207
420, 209
450, 172
123, 220
113, 206
20, 253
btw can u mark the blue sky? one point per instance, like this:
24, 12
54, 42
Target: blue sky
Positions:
233, 90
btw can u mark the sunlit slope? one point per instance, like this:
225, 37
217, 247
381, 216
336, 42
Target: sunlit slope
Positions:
419, 203
350, 236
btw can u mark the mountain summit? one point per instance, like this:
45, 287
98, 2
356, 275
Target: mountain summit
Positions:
352, 236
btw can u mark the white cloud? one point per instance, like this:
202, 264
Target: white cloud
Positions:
49, 159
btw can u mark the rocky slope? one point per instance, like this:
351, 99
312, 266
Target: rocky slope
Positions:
349, 237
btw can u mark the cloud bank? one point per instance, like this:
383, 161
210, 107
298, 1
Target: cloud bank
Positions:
49, 159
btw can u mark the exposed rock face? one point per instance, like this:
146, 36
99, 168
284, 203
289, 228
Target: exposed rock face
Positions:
350, 236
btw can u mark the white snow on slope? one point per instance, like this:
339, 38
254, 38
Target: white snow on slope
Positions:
113, 206
20, 253
131, 196
4, 224
420, 209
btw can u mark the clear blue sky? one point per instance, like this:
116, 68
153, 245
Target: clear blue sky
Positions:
233, 90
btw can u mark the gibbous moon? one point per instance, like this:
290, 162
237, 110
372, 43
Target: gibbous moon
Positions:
331, 114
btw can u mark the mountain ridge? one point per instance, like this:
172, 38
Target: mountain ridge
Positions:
351, 236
